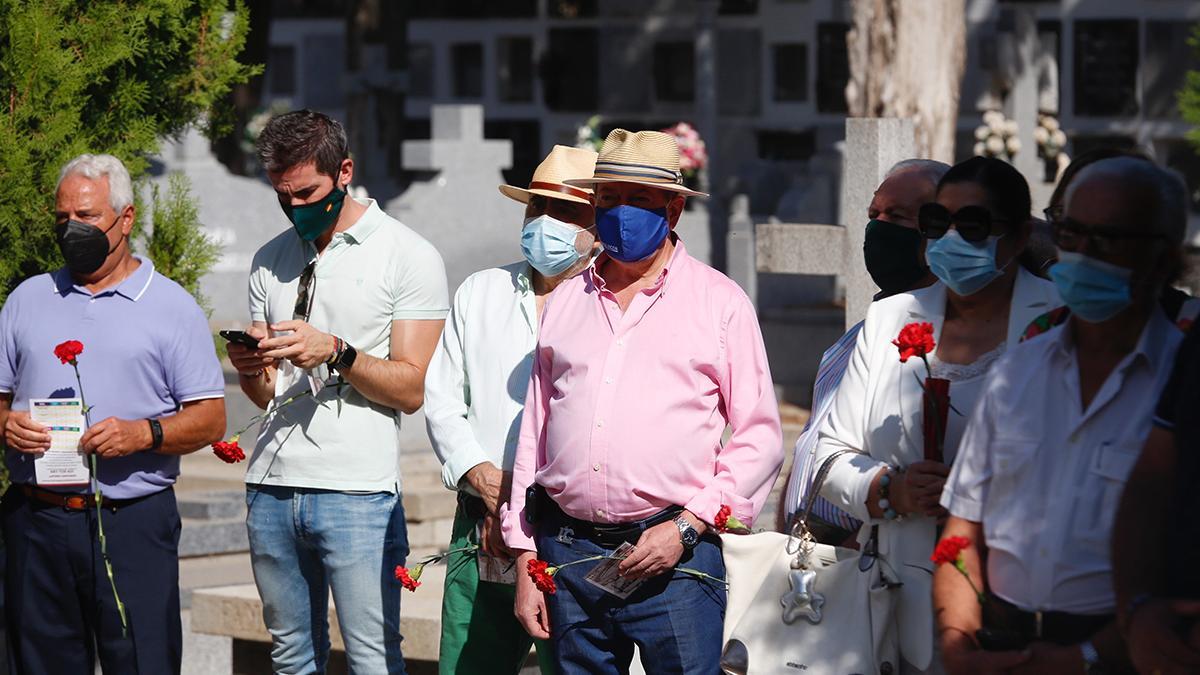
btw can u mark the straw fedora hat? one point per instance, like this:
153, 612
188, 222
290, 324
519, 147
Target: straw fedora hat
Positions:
549, 179
643, 157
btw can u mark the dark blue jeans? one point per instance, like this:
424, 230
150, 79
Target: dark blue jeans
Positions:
674, 619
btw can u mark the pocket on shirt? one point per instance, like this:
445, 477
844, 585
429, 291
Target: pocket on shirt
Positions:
1097, 506
1013, 459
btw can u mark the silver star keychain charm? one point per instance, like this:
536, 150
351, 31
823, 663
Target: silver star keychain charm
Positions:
803, 600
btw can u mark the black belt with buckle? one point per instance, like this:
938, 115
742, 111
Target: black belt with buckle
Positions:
609, 535
1015, 628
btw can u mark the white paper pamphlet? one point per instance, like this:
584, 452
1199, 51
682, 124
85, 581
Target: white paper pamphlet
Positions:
64, 463
607, 578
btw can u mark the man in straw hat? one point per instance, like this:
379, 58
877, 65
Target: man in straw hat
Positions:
642, 362
474, 393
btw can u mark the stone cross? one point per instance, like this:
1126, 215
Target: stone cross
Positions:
459, 209
872, 147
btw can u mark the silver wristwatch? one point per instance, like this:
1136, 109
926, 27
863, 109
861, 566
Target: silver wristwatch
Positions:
1091, 659
688, 535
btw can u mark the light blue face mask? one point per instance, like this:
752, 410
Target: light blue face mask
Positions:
549, 245
964, 267
1094, 290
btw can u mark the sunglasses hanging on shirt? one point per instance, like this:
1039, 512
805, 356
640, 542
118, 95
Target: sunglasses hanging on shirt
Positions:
304, 292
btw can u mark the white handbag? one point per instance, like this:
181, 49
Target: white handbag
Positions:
797, 606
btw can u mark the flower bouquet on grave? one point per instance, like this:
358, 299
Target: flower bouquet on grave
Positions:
916, 339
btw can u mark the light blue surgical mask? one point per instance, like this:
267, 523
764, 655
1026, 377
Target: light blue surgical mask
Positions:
549, 245
964, 267
1094, 290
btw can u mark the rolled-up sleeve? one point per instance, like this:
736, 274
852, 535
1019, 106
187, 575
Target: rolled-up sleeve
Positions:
849, 479
531, 453
448, 400
967, 486
747, 465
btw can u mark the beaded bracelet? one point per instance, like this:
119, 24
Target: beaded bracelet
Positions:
339, 347
885, 504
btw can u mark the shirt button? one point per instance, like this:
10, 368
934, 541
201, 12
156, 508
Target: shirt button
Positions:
608, 380
595, 467
620, 343
600, 512
599, 424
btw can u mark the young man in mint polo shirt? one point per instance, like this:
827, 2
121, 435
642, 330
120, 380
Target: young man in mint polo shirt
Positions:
151, 376
348, 303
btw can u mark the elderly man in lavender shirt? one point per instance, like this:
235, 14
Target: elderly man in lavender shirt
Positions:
152, 378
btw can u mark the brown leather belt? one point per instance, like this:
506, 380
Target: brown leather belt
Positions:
73, 502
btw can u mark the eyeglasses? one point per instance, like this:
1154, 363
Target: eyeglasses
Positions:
304, 293
1053, 213
1072, 235
974, 223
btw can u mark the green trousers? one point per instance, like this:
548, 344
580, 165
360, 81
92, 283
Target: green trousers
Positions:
480, 635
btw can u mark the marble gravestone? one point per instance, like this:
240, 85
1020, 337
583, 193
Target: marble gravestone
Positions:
872, 147
459, 208
239, 213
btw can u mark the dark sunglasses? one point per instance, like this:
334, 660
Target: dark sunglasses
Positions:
304, 294
1053, 213
1072, 235
974, 223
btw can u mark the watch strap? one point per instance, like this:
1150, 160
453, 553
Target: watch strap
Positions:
156, 434
684, 527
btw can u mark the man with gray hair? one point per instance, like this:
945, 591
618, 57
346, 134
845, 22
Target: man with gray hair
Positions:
154, 391
894, 252
1057, 429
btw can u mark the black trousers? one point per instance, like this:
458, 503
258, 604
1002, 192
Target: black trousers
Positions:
59, 606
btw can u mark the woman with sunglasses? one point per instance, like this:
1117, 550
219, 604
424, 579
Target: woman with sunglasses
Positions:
975, 230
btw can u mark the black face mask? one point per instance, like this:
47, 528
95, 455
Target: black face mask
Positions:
893, 256
84, 246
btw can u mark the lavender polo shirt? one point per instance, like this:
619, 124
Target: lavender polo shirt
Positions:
147, 349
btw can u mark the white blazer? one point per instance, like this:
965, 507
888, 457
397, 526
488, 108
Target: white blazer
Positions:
877, 412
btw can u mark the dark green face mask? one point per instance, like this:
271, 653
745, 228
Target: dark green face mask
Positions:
310, 220
893, 256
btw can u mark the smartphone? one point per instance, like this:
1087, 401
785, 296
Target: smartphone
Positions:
240, 337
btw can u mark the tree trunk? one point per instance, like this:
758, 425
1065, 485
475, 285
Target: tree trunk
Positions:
907, 60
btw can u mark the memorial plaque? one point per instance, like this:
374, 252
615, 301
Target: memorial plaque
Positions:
1106, 65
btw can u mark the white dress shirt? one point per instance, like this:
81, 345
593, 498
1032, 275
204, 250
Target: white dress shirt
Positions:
1044, 476
476, 383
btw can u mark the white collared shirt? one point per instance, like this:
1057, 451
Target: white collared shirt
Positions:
1044, 476
476, 383
376, 272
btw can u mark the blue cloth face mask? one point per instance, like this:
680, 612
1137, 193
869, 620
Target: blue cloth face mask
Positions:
549, 245
964, 267
629, 233
1094, 290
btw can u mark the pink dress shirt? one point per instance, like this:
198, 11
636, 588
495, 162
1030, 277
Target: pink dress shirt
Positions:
625, 411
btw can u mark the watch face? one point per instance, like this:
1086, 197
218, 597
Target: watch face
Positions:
690, 537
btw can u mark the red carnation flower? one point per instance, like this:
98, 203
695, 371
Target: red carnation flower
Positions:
915, 339
409, 580
949, 549
725, 521
67, 351
542, 575
229, 451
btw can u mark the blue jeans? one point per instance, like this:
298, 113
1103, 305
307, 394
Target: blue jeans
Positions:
674, 619
303, 543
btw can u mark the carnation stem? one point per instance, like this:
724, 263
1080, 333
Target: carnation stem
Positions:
87, 416
263, 415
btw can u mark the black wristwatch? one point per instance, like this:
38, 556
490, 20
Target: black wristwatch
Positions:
688, 535
346, 358
155, 435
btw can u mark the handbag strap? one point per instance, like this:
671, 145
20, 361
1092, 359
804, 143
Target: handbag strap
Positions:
799, 537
